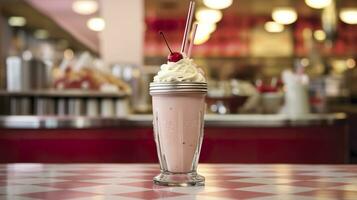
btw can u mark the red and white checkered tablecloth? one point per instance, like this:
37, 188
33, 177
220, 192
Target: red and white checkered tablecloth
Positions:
134, 181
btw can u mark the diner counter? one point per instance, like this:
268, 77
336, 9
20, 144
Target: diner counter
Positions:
134, 181
228, 139
240, 120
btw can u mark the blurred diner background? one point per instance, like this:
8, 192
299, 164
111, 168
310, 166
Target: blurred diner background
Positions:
282, 77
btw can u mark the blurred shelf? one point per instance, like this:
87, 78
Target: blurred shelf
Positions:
63, 94
211, 120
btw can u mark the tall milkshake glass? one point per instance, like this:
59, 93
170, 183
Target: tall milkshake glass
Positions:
178, 110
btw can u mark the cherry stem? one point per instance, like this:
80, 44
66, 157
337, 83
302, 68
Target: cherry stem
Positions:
167, 44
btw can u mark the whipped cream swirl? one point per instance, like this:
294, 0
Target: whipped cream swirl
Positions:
184, 70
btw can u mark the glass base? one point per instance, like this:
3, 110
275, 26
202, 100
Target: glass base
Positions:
179, 179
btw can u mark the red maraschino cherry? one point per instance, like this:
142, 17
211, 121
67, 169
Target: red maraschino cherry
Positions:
174, 56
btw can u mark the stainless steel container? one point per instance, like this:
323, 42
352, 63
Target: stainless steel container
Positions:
61, 106
25, 106
14, 106
138, 78
44, 106
75, 106
122, 107
39, 76
20, 106
14, 79
92, 107
107, 107
24, 75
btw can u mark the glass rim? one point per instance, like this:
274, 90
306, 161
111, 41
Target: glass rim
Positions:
183, 87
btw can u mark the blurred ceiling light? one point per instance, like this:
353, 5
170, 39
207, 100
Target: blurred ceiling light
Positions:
208, 15
68, 54
351, 63
318, 4
17, 21
203, 33
96, 24
284, 15
338, 66
273, 27
304, 62
41, 34
201, 37
319, 35
27, 55
217, 4
85, 7
349, 15
206, 27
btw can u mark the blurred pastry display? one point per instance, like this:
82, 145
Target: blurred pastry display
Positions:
83, 74
78, 86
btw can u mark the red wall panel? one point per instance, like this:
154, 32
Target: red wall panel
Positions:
327, 144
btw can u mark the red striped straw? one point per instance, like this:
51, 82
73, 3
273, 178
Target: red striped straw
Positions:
193, 35
188, 26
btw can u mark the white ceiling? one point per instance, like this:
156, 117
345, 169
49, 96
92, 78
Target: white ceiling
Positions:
61, 12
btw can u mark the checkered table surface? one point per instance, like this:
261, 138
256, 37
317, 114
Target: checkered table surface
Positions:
134, 181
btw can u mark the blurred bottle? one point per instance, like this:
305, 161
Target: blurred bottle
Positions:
296, 94
26, 73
